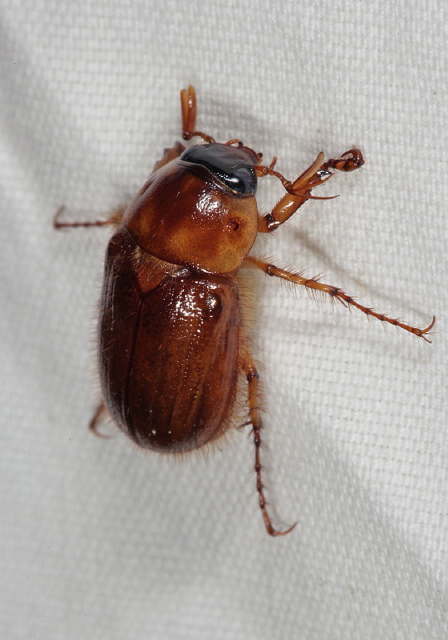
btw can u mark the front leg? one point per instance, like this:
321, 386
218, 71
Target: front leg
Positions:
299, 191
114, 218
313, 284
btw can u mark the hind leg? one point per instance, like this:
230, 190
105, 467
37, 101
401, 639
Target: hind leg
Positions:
255, 419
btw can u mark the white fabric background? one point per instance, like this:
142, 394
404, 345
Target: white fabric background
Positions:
100, 541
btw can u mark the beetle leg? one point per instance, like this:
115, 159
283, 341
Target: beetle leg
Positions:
313, 284
255, 420
299, 191
96, 418
188, 104
114, 220
116, 216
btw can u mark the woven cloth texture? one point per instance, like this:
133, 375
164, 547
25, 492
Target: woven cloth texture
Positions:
101, 541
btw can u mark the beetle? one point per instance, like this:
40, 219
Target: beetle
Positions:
172, 336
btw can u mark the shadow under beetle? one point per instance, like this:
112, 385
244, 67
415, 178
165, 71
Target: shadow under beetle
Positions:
172, 341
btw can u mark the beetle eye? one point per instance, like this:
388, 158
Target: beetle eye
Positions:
231, 166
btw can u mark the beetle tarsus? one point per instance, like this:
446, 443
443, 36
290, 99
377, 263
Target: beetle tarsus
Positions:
349, 161
100, 412
113, 220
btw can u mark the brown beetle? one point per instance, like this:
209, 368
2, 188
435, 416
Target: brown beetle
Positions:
172, 342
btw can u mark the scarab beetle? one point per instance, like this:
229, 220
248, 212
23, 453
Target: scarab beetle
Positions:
172, 337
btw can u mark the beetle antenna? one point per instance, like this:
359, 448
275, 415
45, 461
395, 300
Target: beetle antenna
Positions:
187, 135
229, 143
